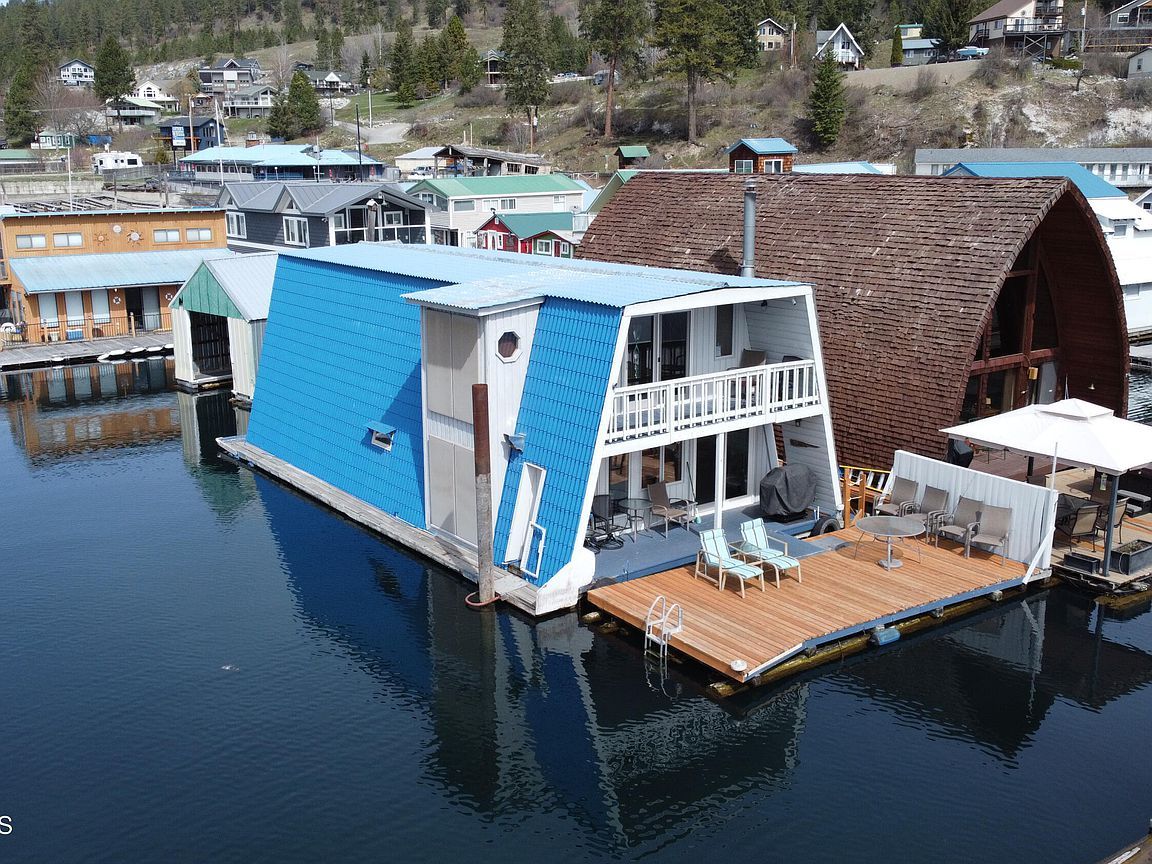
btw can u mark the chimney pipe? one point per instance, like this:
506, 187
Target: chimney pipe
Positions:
748, 268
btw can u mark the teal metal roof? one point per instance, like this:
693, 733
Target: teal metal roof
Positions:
110, 270
239, 286
1087, 182
633, 151
505, 184
765, 146
527, 225
476, 279
276, 155
837, 168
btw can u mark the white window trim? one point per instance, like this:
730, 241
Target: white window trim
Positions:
237, 225
164, 235
300, 231
743, 166
195, 235
69, 237
31, 241
537, 245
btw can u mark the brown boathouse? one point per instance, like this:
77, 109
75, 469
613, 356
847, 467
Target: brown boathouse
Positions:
939, 299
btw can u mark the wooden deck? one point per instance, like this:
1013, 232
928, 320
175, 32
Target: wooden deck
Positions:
840, 596
54, 353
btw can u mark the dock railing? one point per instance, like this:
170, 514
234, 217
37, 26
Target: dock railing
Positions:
79, 328
719, 397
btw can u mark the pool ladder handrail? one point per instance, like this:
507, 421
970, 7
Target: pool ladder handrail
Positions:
663, 621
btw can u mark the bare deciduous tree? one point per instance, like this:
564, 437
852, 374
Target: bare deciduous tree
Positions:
74, 110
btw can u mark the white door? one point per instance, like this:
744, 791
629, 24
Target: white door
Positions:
525, 539
151, 300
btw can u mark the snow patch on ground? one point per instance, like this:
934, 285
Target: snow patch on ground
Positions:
1128, 123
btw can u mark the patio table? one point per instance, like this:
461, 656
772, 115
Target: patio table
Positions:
636, 509
889, 528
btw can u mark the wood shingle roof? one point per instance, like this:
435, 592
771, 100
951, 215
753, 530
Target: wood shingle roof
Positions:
906, 271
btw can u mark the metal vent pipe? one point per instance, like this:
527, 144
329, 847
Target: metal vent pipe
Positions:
748, 268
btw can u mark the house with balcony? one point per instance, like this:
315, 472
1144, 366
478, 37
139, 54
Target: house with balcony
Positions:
281, 162
72, 275
330, 82
77, 73
1129, 168
254, 101
230, 74
842, 45
1134, 14
263, 216
463, 160
601, 379
184, 134
130, 111
549, 234
153, 92
461, 205
492, 64
1035, 28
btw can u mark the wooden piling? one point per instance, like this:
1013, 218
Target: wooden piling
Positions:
483, 460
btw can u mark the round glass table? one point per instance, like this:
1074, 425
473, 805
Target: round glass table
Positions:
637, 511
889, 528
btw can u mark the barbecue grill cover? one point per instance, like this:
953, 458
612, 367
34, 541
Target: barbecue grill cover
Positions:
787, 492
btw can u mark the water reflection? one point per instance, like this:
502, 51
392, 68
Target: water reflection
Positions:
204, 417
69, 410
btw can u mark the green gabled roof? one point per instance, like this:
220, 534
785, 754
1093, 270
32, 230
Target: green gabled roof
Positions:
525, 184
202, 293
633, 151
528, 225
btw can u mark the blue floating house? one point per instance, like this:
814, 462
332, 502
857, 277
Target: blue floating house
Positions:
602, 379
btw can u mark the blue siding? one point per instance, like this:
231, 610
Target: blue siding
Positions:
342, 350
564, 392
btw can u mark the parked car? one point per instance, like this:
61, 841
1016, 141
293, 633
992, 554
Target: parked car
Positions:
971, 52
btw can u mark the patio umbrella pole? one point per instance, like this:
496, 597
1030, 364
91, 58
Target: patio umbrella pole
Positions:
1111, 521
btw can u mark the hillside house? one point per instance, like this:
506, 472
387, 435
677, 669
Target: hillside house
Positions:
153, 92
268, 215
1013, 299
548, 234
492, 63
460, 206
1133, 14
770, 36
571, 353
1035, 27
331, 82
463, 160
919, 51
75, 275
76, 73
182, 134
230, 74
1126, 167
281, 162
131, 111
911, 31
761, 156
254, 101
1140, 63
842, 45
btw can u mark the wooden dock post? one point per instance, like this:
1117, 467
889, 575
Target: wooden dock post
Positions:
483, 459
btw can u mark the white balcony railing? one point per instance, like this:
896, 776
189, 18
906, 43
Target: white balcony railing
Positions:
721, 397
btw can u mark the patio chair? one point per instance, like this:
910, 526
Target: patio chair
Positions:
1082, 525
995, 525
604, 531
959, 525
904, 493
678, 511
931, 507
714, 553
1117, 520
757, 544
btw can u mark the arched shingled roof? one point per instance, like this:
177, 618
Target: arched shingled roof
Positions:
906, 272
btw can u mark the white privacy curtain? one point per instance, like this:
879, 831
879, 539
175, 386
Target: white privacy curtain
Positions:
1033, 507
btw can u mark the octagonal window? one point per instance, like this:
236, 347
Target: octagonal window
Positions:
508, 346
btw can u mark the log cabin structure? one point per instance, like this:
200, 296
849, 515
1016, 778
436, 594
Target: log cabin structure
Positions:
936, 303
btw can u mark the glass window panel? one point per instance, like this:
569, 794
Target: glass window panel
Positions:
673, 345
724, 318
639, 356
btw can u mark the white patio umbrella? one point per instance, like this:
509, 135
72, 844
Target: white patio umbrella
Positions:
1077, 432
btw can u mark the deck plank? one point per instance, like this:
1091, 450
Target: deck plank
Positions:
839, 593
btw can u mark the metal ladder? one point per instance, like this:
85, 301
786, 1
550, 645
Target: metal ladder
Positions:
663, 621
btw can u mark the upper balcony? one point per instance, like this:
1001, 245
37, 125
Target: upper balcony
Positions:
1052, 24
731, 399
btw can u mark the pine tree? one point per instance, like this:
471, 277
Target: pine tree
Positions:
19, 118
114, 78
305, 105
827, 105
470, 73
454, 47
293, 26
897, 47
436, 9
616, 30
401, 68
701, 44
336, 48
946, 21
365, 79
526, 76
428, 66
323, 58
463, 7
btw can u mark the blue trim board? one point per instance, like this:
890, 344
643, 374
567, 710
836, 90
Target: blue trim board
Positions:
342, 353
564, 391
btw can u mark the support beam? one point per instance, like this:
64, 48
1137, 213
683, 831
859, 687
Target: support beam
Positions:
485, 576
721, 483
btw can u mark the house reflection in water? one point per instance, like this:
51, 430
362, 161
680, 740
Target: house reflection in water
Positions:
67, 410
204, 417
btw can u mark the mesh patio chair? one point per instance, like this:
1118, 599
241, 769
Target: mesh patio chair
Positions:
669, 510
959, 525
1082, 525
604, 532
904, 493
930, 508
1117, 520
757, 544
714, 553
995, 525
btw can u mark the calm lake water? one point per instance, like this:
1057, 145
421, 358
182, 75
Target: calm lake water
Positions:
198, 665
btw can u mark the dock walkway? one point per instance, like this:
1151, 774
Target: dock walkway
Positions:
839, 597
56, 353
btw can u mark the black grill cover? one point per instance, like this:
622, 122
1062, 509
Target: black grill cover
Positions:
787, 492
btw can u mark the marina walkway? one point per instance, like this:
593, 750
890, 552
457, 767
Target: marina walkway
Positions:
840, 596
55, 353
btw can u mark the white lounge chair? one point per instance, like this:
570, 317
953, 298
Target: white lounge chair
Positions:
758, 546
714, 553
